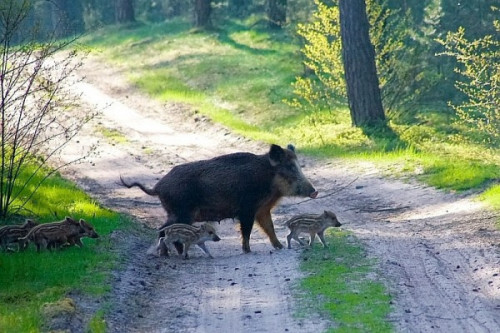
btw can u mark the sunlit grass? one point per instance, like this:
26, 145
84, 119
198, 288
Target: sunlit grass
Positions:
340, 285
113, 135
97, 323
30, 279
492, 197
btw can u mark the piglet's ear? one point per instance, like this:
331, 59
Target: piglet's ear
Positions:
276, 155
291, 147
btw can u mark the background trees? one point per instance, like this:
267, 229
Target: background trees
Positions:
124, 11
363, 92
406, 37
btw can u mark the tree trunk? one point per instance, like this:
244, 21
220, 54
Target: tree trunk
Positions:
363, 92
202, 10
237, 8
276, 13
124, 11
68, 15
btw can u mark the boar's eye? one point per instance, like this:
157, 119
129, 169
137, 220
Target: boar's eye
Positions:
289, 171
210, 233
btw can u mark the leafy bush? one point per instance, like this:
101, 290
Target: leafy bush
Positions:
403, 77
479, 62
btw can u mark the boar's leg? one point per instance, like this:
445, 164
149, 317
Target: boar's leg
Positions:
246, 225
266, 223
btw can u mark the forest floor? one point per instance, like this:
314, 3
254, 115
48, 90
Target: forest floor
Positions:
438, 253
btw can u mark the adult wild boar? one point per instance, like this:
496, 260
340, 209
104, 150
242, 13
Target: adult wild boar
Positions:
240, 185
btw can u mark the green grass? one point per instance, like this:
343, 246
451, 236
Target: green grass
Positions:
113, 135
340, 284
29, 279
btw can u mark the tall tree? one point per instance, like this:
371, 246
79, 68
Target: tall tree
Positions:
69, 14
202, 11
124, 11
363, 91
276, 13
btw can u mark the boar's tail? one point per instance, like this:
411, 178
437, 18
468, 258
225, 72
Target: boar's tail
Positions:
146, 190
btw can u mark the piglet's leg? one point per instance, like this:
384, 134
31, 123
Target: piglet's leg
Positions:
322, 238
202, 246
311, 240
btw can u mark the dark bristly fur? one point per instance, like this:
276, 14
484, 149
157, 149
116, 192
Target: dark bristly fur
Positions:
240, 185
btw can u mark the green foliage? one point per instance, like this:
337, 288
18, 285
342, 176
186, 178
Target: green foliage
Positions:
324, 87
480, 71
403, 77
338, 284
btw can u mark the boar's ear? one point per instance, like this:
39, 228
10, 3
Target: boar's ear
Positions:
291, 147
276, 155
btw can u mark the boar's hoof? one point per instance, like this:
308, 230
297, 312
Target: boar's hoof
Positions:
278, 246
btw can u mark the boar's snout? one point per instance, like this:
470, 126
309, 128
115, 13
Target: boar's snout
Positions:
215, 238
307, 190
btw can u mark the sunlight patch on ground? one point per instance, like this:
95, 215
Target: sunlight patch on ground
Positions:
441, 209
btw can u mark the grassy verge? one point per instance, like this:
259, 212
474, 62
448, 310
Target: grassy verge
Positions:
340, 284
28, 280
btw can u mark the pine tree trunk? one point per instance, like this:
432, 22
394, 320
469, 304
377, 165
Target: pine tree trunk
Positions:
124, 11
276, 13
202, 10
68, 15
363, 92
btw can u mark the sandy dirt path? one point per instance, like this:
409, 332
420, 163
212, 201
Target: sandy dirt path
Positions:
438, 252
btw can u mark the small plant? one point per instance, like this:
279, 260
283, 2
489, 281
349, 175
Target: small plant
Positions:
35, 102
479, 62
